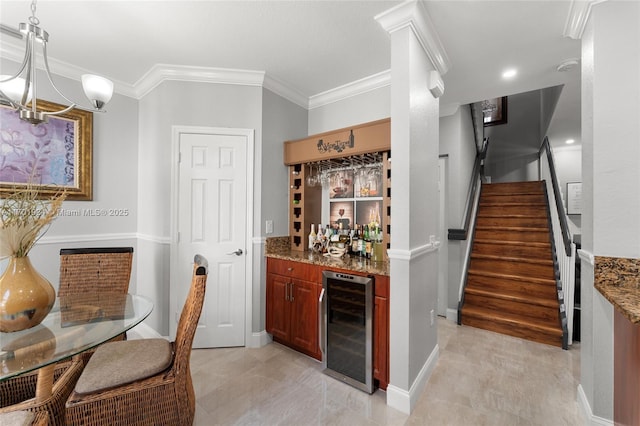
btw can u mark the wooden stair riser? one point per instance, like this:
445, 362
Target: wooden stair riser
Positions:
530, 288
546, 314
502, 234
511, 198
513, 250
511, 330
510, 267
513, 209
512, 187
538, 221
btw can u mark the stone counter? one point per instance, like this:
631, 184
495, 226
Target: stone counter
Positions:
618, 279
279, 247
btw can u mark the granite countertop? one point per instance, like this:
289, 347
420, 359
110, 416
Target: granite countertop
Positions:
279, 247
618, 279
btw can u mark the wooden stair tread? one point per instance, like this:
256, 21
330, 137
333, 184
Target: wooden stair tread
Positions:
539, 281
511, 320
512, 259
514, 297
512, 243
512, 228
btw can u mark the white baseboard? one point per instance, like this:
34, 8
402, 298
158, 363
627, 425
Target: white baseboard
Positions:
258, 340
585, 410
143, 331
405, 401
452, 315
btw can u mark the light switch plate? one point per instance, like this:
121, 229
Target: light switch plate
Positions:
268, 226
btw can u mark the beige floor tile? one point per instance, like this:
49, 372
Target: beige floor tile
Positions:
481, 378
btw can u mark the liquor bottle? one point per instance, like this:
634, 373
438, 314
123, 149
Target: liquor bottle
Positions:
361, 241
343, 235
354, 240
367, 242
312, 236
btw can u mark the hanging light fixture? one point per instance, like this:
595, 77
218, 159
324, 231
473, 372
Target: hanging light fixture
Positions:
20, 90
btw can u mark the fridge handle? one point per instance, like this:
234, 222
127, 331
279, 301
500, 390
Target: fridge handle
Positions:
321, 323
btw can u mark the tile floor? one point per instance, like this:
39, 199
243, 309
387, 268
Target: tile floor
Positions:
481, 378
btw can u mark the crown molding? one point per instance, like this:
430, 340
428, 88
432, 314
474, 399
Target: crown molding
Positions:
286, 91
578, 16
165, 72
367, 84
413, 14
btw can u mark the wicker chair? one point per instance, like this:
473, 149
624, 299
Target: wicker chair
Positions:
18, 393
108, 392
94, 271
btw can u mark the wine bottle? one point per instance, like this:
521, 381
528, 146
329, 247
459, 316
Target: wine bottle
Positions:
367, 242
354, 241
312, 236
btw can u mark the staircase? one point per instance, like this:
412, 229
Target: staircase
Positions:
511, 285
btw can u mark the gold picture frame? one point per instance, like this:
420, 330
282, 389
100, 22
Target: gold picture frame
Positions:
54, 155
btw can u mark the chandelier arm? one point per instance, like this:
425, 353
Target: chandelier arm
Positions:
48, 72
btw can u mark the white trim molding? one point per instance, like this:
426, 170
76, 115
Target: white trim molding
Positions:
578, 17
414, 253
405, 401
358, 87
585, 409
163, 72
282, 89
413, 14
586, 256
259, 339
86, 238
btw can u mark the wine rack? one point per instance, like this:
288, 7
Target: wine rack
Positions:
305, 204
386, 200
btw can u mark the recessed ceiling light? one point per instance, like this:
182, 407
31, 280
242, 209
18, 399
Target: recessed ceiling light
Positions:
510, 73
570, 141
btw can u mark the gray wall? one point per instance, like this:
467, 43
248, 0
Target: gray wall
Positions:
281, 120
513, 147
186, 104
458, 143
115, 177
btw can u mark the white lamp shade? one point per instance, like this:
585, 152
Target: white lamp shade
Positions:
98, 89
14, 88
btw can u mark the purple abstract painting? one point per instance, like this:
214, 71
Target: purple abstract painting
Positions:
45, 154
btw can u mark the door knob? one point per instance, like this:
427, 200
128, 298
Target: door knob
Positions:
237, 252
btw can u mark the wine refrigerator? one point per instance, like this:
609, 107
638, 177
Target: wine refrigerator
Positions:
346, 328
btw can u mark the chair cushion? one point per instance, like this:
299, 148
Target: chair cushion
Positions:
118, 363
17, 418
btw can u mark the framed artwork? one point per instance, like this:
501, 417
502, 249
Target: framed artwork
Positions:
574, 198
494, 111
52, 155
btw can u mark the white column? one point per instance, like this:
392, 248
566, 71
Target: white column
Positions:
415, 52
611, 180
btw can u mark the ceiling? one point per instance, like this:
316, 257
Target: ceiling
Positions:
310, 47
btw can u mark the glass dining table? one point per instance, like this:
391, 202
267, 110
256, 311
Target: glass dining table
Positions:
75, 324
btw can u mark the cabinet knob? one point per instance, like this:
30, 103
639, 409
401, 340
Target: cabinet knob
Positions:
289, 269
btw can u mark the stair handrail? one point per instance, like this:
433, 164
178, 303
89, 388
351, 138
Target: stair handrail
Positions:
564, 260
476, 179
564, 225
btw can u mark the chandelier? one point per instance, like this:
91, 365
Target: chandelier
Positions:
20, 90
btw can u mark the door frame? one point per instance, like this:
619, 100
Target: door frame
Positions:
176, 132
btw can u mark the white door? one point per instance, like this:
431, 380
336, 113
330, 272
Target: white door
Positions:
212, 221
443, 255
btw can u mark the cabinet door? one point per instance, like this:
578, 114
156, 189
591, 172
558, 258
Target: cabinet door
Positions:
304, 317
278, 307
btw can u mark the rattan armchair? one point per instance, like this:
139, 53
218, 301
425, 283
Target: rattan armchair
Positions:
19, 393
165, 397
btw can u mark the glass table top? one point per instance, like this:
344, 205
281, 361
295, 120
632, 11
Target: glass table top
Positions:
75, 324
